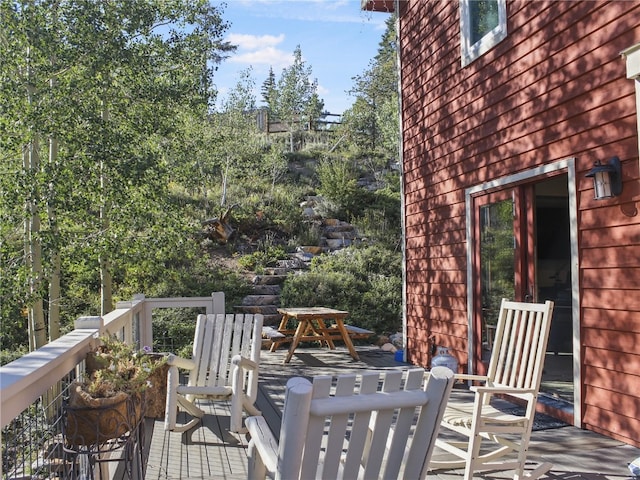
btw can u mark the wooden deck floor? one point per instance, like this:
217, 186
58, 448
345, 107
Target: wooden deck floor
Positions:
209, 451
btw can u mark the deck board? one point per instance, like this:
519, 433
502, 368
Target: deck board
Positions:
209, 451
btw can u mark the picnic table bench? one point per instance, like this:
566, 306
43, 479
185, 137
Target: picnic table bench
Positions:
312, 326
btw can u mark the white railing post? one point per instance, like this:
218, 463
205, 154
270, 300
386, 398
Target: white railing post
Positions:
96, 323
217, 303
145, 321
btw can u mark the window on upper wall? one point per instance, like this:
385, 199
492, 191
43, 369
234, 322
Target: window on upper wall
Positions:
483, 24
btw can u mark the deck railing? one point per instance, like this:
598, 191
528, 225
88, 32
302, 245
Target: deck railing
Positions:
33, 386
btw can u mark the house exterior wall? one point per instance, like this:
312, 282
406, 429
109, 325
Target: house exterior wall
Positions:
555, 88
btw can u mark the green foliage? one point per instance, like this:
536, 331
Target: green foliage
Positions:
497, 257
380, 220
200, 277
329, 289
143, 157
264, 209
119, 367
365, 281
265, 257
371, 124
9, 353
91, 90
13, 327
363, 262
383, 302
309, 233
174, 329
339, 184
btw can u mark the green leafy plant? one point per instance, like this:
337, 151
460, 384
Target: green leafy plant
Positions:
117, 367
365, 281
260, 259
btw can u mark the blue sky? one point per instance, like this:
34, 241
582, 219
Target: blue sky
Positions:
337, 40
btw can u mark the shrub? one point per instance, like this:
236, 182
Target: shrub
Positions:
339, 184
327, 289
365, 281
383, 302
173, 330
380, 218
363, 262
266, 257
7, 356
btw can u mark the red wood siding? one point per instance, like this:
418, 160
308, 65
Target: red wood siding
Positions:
555, 88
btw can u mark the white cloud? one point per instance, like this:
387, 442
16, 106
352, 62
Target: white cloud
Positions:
264, 56
322, 91
252, 42
259, 50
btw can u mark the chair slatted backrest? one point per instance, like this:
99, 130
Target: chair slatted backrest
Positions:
363, 426
217, 339
520, 344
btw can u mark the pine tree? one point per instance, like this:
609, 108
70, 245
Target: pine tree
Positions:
268, 89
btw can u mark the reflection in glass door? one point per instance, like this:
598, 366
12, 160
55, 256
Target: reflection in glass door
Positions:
500, 257
497, 260
522, 252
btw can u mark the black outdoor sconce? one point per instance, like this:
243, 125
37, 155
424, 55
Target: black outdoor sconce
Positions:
607, 179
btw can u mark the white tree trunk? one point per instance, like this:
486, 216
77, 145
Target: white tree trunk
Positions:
54, 280
37, 325
106, 283
33, 245
223, 197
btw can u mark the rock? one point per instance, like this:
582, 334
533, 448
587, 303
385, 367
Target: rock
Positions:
389, 347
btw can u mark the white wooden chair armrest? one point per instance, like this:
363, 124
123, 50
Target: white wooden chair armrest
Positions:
204, 390
175, 361
469, 376
263, 441
244, 362
518, 392
244, 391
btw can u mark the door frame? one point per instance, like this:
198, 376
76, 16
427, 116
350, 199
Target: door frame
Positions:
544, 171
521, 197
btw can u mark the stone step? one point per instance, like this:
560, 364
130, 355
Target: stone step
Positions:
333, 222
337, 243
350, 235
261, 300
344, 229
295, 262
276, 271
262, 289
313, 249
263, 309
269, 279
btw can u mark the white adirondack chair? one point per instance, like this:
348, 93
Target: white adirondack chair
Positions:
515, 369
355, 429
226, 357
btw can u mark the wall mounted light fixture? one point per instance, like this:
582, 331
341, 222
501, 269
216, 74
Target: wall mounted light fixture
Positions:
607, 179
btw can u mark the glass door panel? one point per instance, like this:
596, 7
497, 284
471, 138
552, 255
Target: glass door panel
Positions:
521, 251
497, 261
495, 266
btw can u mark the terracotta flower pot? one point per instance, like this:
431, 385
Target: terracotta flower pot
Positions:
92, 420
156, 393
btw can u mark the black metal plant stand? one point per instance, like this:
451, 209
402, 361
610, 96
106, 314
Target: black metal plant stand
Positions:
94, 436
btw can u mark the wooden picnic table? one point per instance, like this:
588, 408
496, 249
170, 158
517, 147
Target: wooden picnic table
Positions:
312, 327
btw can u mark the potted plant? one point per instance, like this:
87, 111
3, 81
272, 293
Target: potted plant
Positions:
109, 400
